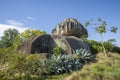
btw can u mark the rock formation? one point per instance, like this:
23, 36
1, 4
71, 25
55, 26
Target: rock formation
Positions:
65, 35
40, 44
70, 27
45, 43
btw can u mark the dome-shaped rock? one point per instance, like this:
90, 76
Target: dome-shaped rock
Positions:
70, 27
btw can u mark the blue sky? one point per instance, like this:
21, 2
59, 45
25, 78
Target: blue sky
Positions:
46, 14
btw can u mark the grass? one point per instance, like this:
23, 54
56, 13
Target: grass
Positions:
103, 69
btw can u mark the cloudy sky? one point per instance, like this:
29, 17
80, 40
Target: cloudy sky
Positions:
46, 14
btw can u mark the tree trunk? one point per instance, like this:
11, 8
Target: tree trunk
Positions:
104, 50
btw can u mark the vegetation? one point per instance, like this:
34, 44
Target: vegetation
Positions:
7, 39
59, 66
100, 28
96, 47
57, 50
21, 66
19, 39
103, 69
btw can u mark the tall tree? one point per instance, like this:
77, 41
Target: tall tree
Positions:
8, 37
100, 29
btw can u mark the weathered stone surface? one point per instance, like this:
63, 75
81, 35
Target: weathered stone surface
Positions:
70, 43
40, 44
45, 44
70, 27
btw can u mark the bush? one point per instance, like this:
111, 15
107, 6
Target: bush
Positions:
68, 63
57, 50
108, 46
116, 49
95, 47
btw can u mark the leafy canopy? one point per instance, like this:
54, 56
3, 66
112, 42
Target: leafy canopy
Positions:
8, 38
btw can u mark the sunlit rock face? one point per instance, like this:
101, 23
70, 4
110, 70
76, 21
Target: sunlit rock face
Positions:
70, 27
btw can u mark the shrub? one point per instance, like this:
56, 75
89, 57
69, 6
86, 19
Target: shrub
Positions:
108, 46
68, 63
83, 54
116, 49
95, 46
57, 50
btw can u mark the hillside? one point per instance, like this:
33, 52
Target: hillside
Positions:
102, 69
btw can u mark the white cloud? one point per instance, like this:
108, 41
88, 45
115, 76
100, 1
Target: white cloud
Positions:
4, 27
30, 18
14, 23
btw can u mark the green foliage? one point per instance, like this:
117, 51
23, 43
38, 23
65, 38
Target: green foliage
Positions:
25, 35
108, 46
87, 23
69, 63
95, 46
114, 29
30, 32
23, 67
57, 50
107, 69
8, 38
101, 28
83, 54
116, 49
20, 66
84, 38
64, 63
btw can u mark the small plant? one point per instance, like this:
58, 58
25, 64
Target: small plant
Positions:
83, 54
64, 63
68, 63
57, 50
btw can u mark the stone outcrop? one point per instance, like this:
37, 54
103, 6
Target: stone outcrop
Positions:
70, 43
40, 44
70, 27
45, 43
65, 35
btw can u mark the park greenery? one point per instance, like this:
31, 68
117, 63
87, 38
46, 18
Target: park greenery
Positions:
81, 65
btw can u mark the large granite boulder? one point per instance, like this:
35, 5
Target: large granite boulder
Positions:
40, 44
70, 27
45, 43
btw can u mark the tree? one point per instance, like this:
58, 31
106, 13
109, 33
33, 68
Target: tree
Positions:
8, 38
25, 35
100, 29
